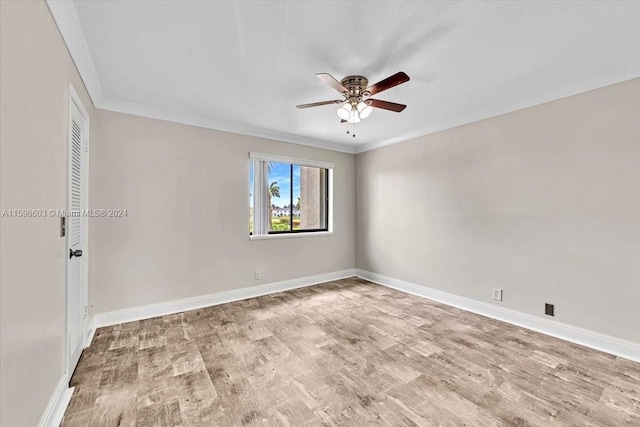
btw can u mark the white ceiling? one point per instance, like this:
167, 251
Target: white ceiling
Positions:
243, 66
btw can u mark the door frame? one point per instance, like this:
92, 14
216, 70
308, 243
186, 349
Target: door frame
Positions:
76, 103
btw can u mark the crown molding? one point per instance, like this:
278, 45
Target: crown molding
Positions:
66, 18
629, 72
135, 109
68, 22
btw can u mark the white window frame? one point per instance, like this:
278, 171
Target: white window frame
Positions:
295, 161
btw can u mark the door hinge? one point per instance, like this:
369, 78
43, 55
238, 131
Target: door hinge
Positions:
86, 311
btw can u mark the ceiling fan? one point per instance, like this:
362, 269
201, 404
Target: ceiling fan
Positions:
356, 96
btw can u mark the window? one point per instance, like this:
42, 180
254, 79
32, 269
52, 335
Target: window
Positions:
288, 196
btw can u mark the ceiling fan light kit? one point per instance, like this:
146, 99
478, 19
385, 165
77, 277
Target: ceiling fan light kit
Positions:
354, 114
357, 105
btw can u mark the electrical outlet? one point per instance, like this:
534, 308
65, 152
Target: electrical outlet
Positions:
256, 275
548, 309
497, 294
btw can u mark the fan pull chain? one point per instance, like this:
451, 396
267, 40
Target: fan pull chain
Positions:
354, 128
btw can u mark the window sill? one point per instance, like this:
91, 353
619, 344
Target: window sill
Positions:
291, 235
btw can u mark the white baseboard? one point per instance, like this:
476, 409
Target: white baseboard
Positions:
177, 306
52, 416
612, 345
92, 331
608, 344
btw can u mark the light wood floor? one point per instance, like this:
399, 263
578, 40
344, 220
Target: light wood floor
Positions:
344, 353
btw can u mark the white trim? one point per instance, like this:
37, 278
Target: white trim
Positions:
626, 349
330, 203
577, 87
260, 198
291, 160
136, 109
54, 412
608, 344
66, 18
289, 235
91, 332
178, 306
75, 98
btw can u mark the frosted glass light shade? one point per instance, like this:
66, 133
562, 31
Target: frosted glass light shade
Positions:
364, 110
344, 112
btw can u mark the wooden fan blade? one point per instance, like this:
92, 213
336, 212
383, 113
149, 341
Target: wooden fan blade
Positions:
386, 105
331, 81
388, 83
316, 104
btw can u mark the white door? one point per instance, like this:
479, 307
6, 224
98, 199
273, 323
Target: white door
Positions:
76, 230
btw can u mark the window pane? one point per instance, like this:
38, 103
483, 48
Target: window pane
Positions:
279, 179
312, 197
291, 197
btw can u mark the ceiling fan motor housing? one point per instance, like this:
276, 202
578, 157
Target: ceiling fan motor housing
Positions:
356, 85
356, 92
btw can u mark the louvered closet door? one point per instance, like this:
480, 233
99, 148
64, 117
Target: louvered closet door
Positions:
75, 260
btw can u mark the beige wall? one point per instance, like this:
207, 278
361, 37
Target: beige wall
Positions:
543, 203
186, 233
35, 71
